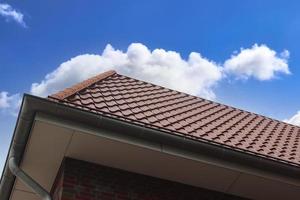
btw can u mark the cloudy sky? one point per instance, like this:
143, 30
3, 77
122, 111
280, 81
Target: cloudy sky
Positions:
242, 53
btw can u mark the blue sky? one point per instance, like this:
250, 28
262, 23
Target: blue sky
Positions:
44, 34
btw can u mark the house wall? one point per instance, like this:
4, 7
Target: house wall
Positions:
79, 180
57, 188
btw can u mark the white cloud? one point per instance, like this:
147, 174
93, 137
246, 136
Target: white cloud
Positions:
259, 62
195, 75
9, 13
9, 103
294, 119
4, 100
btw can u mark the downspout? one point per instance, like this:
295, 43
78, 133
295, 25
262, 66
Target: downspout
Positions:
27, 180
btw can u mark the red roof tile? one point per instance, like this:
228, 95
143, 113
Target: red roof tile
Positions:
178, 113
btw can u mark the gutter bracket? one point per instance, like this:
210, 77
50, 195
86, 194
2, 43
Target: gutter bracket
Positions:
27, 180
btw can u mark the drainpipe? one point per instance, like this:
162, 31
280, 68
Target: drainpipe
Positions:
27, 180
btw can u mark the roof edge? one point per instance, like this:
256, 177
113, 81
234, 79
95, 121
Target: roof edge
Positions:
33, 104
79, 86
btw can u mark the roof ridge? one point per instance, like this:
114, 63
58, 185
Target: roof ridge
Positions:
79, 86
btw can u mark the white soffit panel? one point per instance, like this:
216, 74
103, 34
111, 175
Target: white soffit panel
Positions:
44, 153
256, 187
51, 140
24, 195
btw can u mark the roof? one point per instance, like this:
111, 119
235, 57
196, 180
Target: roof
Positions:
178, 113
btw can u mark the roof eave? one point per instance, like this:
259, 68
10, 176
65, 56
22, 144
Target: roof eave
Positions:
32, 104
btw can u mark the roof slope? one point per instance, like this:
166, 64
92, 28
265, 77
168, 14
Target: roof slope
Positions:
179, 113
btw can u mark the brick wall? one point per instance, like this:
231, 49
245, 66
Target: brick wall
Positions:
57, 188
80, 180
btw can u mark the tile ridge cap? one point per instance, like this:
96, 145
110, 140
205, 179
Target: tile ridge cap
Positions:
79, 86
